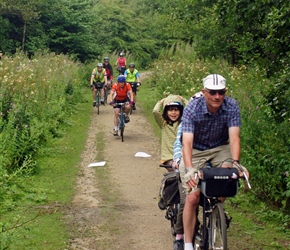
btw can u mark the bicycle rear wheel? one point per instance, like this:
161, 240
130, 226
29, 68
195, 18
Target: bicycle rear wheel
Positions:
218, 228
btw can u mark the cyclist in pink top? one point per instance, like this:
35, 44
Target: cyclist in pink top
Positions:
121, 64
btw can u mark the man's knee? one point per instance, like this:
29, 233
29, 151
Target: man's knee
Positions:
193, 199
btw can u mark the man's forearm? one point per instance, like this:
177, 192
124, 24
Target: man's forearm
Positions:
187, 156
235, 149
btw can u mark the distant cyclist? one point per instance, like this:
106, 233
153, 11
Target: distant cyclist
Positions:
132, 75
98, 75
109, 71
119, 94
121, 63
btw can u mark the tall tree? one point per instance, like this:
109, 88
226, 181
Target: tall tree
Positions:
25, 10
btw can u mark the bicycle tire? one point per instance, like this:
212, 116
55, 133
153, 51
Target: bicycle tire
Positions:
98, 102
218, 228
122, 133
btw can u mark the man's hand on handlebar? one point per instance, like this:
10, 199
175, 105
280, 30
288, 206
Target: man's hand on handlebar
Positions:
191, 178
244, 173
175, 164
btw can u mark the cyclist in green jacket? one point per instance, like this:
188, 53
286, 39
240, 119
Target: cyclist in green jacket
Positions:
98, 75
132, 76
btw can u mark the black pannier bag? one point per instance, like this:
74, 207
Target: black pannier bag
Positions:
169, 191
98, 85
219, 182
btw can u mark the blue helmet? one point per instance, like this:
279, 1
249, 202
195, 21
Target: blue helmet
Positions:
121, 78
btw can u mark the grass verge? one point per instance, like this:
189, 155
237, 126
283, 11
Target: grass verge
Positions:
37, 222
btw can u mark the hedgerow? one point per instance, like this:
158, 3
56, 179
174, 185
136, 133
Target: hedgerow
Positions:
37, 97
264, 104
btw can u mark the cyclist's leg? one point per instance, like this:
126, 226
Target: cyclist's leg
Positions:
127, 109
189, 211
189, 215
116, 115
94, 90
179, 222
102, 93
109, 85
221, 154
134, 100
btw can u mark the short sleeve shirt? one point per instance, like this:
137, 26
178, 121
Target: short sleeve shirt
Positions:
210, 130
121, 93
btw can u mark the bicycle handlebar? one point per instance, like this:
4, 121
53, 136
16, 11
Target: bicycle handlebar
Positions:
245, 176
120, 104
239, 167
135, 84
168, 167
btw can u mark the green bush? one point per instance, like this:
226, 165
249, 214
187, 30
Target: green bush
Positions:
37, 98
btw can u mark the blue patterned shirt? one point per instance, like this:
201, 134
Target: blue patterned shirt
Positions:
210, 130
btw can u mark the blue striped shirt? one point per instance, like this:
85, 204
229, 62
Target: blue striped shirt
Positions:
177, 146
210, 130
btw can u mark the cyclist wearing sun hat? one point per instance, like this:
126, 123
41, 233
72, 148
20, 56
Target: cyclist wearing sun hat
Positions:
210, 131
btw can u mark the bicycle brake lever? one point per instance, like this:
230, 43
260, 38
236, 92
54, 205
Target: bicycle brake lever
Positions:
247, 180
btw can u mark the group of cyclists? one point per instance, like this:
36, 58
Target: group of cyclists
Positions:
205, 128
123, 91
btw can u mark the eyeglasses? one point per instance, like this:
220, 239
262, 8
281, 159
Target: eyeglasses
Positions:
213, 92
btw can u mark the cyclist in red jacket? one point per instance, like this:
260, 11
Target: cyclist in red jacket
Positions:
119, 94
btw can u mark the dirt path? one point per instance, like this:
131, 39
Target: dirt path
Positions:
140, 224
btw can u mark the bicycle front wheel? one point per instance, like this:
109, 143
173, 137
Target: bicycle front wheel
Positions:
122, 132
98, 102
218, 228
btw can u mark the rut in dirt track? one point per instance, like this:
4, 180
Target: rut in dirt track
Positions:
141, 224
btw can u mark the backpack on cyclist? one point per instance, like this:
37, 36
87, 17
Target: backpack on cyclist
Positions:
169, 192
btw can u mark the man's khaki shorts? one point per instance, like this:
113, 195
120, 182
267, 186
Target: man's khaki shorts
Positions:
199, 158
